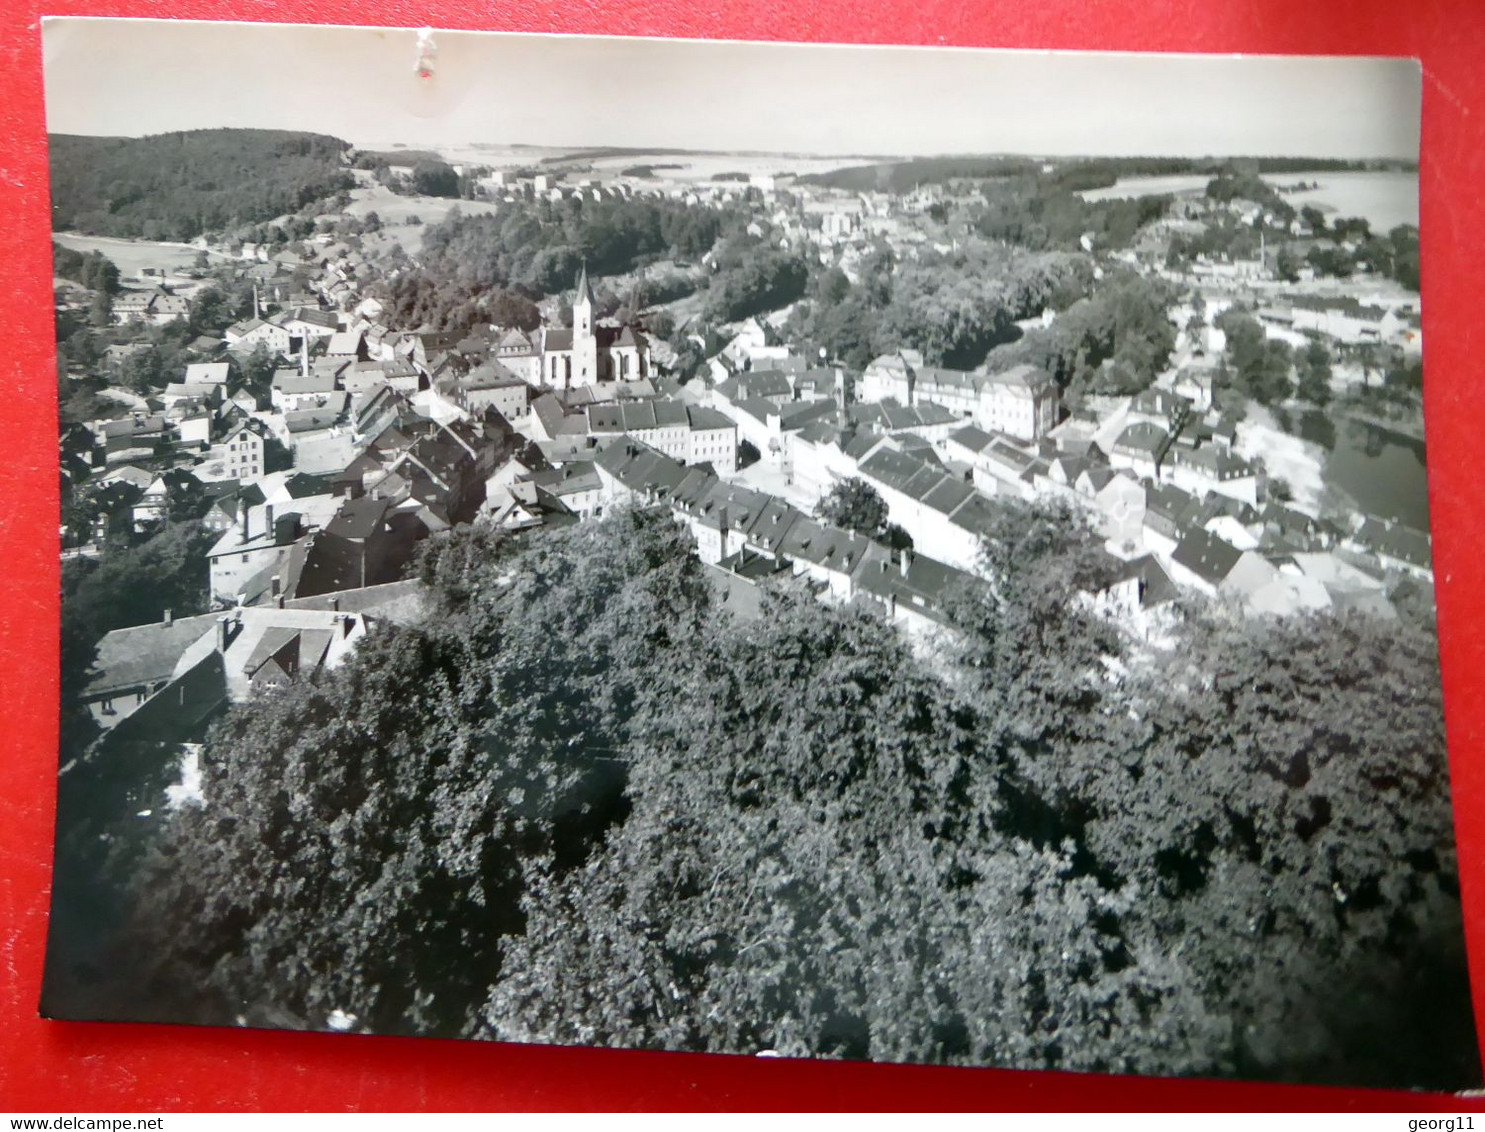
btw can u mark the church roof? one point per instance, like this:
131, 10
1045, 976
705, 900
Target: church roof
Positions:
584, 292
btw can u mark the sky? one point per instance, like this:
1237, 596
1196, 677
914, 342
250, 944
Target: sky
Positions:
135, 77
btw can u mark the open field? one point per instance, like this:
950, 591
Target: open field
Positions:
395, 210
132, 256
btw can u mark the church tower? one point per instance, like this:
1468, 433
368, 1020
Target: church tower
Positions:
584, 340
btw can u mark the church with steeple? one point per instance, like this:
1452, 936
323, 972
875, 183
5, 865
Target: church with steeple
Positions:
587, 354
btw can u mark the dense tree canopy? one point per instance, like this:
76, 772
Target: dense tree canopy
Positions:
1117, 340
1261, 366
582, 804
1041, 212
435, 179
135, 584
953, 308
1229, 187
479, 268
754, 279
179, 186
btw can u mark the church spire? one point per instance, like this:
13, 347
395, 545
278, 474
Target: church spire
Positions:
584, 292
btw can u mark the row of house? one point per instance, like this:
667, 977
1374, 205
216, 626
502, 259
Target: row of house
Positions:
1022, 402
753, 535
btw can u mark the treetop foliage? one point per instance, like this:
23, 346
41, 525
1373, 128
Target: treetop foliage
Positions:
93, 270
854, 505
583, 804
1115, 341
953, 308
531, 250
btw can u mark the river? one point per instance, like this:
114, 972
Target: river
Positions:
1380, 468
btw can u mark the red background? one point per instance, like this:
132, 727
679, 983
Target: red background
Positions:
50, 1066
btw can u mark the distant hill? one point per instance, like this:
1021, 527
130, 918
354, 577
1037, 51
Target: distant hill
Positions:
179, 186
1074, 173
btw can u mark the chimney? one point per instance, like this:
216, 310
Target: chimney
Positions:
169, 616
243, 517
907, 561
268, 520
257, 305
335, 603
224, 632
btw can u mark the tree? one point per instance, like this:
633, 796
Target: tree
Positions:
1198, 320
1293, 777
753, 282
1332, 261
142, 371
100, 310
382, 813
136, 584
1404, 375
660, 324
1404, 239
632, 818
854, 505
211, 312
1315, 374
81, 348
509, 309
1261, 364
1370, 359
258, 369
186, 497
435, 179
1123, 322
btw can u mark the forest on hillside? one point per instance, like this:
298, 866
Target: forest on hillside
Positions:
182, 185
584, 803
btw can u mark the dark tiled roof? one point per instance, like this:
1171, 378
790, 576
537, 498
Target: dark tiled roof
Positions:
1143, 437
1207, 556
922, 586
144, 654
358, 518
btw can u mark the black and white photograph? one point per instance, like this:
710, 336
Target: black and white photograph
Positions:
891, 554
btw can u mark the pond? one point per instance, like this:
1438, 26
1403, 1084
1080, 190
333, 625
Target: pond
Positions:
1381, 469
